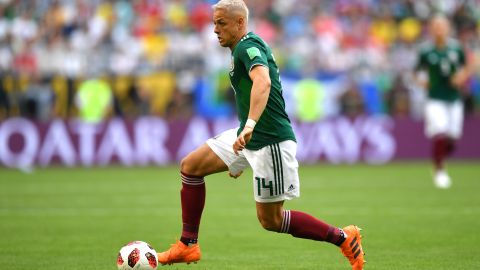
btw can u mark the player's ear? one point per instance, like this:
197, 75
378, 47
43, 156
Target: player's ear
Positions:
241, 23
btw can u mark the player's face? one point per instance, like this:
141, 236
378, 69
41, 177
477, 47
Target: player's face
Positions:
440, 28
226, 27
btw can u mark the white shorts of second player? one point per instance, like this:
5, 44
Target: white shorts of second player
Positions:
443, 118
275, 167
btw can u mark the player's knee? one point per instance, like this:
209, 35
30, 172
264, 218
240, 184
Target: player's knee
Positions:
270, 223
189, 167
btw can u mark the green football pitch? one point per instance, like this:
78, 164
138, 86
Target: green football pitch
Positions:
62, 218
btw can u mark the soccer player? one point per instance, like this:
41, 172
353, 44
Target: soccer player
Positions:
265, 141
444, 62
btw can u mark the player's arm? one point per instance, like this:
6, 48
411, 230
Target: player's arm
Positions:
258, 101
461, 76
260, 91
420, 74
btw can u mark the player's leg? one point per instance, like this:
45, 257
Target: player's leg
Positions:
193, 168
440, 149
202, 161
456, 114
275, 170
446, 144
436, 128
213, 157
273, 217
436, 121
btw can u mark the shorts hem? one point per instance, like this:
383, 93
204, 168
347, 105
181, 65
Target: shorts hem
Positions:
276, 199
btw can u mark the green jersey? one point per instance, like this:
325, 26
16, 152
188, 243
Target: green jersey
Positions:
441, 65
273, 125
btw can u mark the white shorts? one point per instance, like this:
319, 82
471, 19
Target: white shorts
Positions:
443, 118
275, 167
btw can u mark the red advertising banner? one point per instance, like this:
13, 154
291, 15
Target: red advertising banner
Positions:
154, 141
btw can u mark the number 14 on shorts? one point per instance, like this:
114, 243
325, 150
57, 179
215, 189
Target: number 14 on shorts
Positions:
263, 184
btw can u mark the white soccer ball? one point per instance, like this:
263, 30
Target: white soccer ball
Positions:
137, 255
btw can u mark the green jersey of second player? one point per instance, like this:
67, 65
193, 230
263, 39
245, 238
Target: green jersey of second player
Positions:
273, 125
441, 64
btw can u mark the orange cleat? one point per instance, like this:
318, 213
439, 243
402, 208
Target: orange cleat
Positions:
180, 253
352, 247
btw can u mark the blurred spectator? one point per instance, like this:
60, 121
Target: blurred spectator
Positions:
351, 102
398, 100
4, 99
25, 61
147, 46
23, 27
180, 106
37, 100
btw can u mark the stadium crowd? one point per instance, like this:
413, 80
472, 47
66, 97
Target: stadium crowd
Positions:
161, 57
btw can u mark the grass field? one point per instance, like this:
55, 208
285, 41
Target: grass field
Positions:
60, 218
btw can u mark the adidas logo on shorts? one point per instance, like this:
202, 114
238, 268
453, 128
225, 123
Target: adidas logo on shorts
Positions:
291, 187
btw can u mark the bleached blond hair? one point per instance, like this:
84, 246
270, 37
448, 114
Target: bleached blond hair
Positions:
233, 6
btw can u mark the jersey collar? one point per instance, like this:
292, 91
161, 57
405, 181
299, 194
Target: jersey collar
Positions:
246, 36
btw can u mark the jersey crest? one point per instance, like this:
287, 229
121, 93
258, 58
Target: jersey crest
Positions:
433, 58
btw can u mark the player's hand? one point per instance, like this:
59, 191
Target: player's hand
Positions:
421, 79
242, 139
459, 79
235, 176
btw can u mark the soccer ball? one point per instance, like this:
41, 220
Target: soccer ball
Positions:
137, 255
